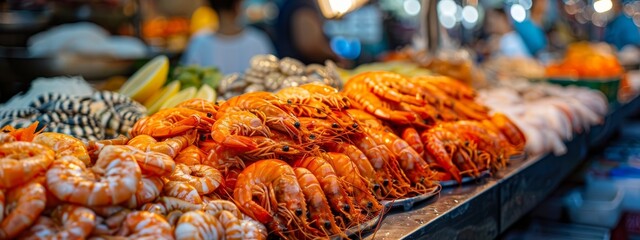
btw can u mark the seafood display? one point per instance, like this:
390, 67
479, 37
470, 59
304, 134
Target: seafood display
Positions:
103, 114
547, 114
268, 73
306, 161
438, 124
54, 186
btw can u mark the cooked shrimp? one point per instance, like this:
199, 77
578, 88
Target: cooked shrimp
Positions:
149, 188
170, 146
192, 155
145, 225
153, 163
23, 206
113, 180
200, 105
173, 217
233, 130
253, 230
274, 182
95, 147
21, 161
77, 223
64, 145
198, 225
204, 178
172, 122
231, 224
319, 210
355, 185
215, 207
183, 191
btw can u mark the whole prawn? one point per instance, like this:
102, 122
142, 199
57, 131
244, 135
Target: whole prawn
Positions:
275, 183
441, 144
273, 116
319, 210
170, 146
172, 122
333, 190
233, 130
355, 185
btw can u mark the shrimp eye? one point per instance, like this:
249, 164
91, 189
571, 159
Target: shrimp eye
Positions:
385, 182
369, 205
203, 137
327, 224
438, 116
209, 114
312, 136
335, 125
285, 148
466, 143
421, 179
376, 186
346, 207
355, 125
318, 110
216, 103
299, 212
296, 124
289, 101
344, 99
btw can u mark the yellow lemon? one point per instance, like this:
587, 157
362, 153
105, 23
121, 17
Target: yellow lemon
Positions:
207, 93
147, 80
184, 95
154, 103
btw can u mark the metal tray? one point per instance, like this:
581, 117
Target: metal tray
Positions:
358, 231
465, 180
407, 203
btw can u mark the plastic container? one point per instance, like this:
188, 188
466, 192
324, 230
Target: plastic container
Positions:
600, 204
630, 186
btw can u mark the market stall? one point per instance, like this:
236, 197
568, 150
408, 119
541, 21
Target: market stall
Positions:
422, 144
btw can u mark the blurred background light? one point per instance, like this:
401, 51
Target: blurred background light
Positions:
518, 13
602, 6
411, 7
447, 21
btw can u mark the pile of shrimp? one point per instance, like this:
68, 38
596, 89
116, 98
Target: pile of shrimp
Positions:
304, 162
440, 119
54, 186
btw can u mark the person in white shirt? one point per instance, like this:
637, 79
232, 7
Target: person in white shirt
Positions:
231, 47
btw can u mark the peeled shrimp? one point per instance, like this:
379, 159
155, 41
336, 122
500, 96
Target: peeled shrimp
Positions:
204, 178
149, 188
64, 145
195, 225
182, 191
113, 180
77, 223
24, 205
21, 161
145, 225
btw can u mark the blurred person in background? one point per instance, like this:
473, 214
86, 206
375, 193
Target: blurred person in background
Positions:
232, 46
503, 40
531, 28
621, 31
299, 33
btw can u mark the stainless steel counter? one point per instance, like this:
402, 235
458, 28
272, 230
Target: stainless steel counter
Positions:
486, 208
